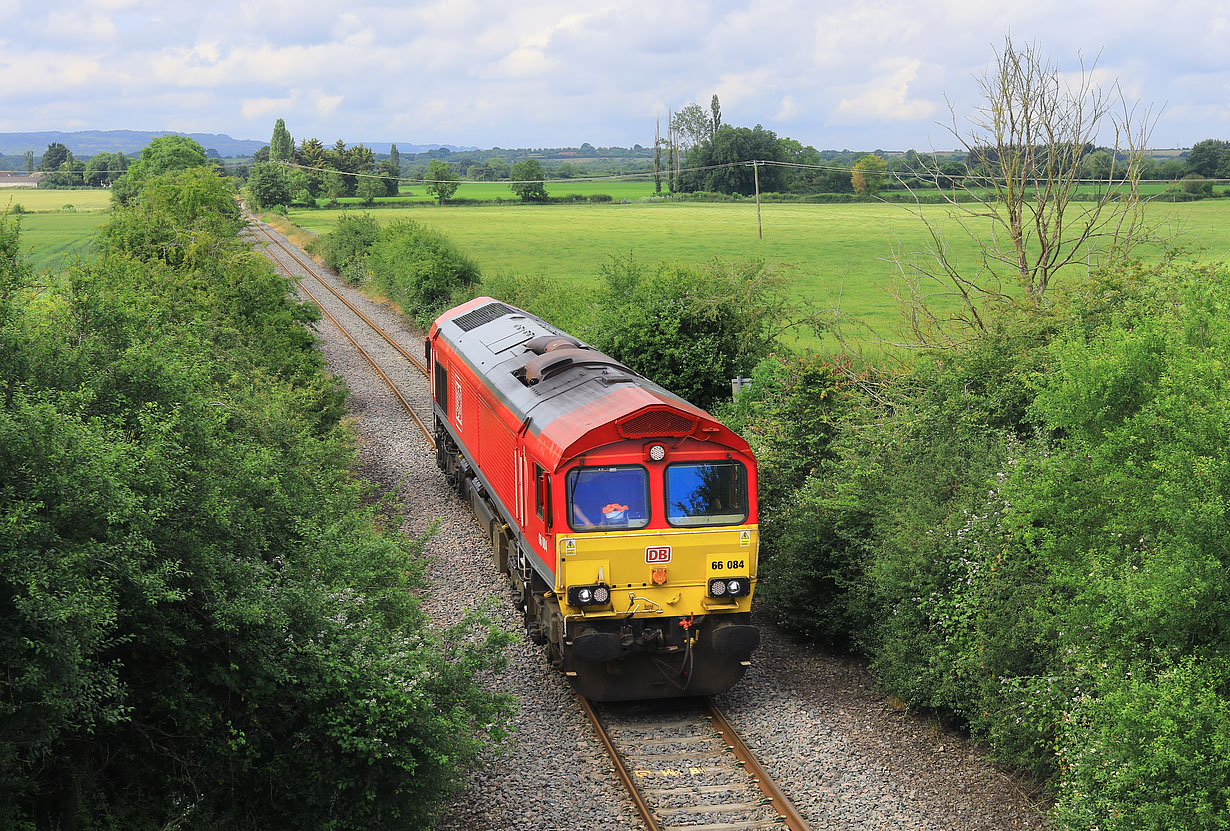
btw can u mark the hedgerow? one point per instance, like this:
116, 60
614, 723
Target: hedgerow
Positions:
1032, 536
202, 624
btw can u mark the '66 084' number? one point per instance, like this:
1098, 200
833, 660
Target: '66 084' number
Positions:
718, 564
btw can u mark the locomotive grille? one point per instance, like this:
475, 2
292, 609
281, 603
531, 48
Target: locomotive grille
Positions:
657, 423
481, 315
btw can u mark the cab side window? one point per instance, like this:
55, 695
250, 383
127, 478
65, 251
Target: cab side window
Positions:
542, 494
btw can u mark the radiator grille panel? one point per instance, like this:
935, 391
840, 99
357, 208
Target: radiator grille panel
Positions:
657, 423
483, 314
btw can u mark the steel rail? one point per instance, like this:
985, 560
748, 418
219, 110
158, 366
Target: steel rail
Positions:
765, 782
312, 271
730, 737
388, 381
621, 770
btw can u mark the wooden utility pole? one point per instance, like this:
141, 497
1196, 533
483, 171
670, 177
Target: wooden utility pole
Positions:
756, 175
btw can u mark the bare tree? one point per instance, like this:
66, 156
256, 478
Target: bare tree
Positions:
1021, 202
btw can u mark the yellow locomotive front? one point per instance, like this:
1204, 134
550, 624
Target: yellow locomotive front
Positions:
656, 566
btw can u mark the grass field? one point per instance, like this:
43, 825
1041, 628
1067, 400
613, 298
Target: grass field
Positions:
52, 232
49, 239
839, 254
45, 201
491, 191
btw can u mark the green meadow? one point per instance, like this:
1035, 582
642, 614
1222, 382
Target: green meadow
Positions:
34, 200
840, 256
617, 189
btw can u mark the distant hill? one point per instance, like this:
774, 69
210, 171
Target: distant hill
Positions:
85, 143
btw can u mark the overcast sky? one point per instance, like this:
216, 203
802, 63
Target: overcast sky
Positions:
535, 73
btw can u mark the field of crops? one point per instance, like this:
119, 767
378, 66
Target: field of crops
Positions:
34, 200
840, 255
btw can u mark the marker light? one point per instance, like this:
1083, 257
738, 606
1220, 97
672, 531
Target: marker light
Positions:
598, 595
657, 452
717, 588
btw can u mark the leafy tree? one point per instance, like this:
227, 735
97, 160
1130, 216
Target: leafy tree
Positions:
390, 177
281, 146
692, 125
500, 169
311, 153
334, 186
369, 188
867, 175
55, 155
526, 180
440, 180
348, 243
268, 185
728, 151
716, 123
1205, 158
164, 154
98, 170
203, 626
29, 161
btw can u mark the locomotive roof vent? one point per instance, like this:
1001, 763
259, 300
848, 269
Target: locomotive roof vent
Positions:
541, 367
550, 343
483, 314
657, 423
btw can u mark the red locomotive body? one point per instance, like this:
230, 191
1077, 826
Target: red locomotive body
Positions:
624, 516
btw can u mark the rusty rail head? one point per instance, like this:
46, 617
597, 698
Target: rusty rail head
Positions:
767, 786
641, 807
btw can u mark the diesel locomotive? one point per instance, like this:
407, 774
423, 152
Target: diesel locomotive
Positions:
624, 517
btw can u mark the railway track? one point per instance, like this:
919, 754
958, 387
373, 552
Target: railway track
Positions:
683, 764
687, 769
377, 347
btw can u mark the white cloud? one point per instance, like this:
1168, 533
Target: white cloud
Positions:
259, 107
872, 73
788, 109
328, 104
887, 98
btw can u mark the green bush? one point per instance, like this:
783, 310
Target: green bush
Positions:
420, 269
690, 329
1145, 749
345, 248
547, 297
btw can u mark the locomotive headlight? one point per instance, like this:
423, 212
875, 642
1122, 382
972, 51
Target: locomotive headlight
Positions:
735, 587
585, 595
601, 594
717, 588
657, 452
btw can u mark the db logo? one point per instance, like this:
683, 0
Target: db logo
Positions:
658, 554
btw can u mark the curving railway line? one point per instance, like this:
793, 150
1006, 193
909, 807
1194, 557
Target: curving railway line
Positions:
683, 764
